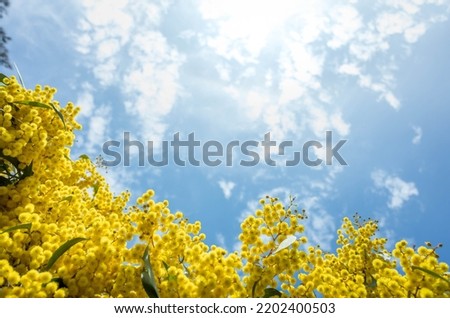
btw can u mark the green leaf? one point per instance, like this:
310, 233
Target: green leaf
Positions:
96, 186
254, 288
2, 77
271, 292
5, 181
68, 198
147, 277
27, 172
32, 104
169, 277
13, 176
59, 281
14, 161
42, 105
61, 250
59, 115
373, 283
436, 275
25, 226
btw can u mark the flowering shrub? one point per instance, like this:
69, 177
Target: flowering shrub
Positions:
64, 234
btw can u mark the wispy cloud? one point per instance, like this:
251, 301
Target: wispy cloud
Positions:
122, 42
86, 100
366, 81
220, 238
399, 190
248, 23
417, 135
227, 188
97, 128
368, 41
96, 120
346, 22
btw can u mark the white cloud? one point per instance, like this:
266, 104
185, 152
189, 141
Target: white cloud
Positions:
320, 228
391, 99
321, 120
86, 100
95, 119
400, 191
261, 108
152, 81
388, 23
97, 128
107, 48
106, 72
408, 6
252, 206
269, 78
346, 22
310, 33
246, 23
349, 69
366, 81
367, 45
338, 124
103, 21
224, 72
413, 33
255, 104
125, 49
301, 69
227, 188
221, 240
120, 178
417, 135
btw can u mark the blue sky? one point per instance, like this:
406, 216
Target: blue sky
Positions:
375, 74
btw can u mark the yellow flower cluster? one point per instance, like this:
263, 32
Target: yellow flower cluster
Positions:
64, 234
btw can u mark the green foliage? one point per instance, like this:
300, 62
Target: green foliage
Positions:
147, 277
61, 250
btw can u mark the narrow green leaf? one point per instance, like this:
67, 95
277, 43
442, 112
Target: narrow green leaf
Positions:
32, 104
61, 250
27, 172
254, 288
14, 161
2, 77
96, 186
59, 281
42, 105
59, 114
373, 283
148, 285
25, 226
271, 292
147, 277
169, 277
68, 198
5, 181
436, 275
